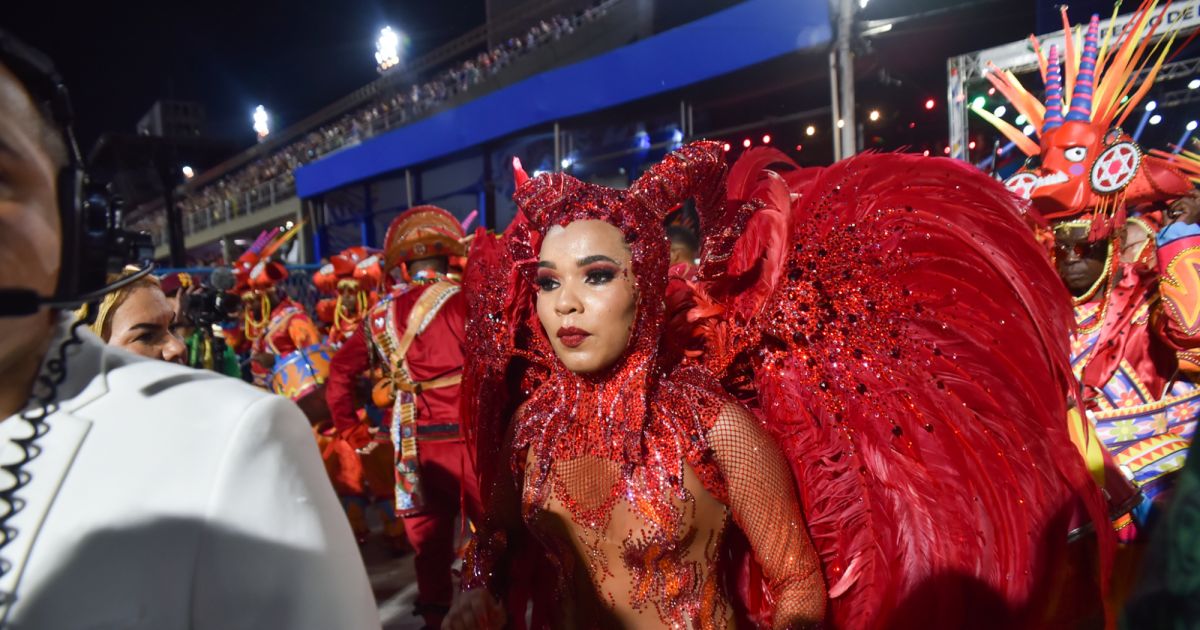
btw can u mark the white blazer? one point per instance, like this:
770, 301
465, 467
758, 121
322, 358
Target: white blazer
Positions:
165, 497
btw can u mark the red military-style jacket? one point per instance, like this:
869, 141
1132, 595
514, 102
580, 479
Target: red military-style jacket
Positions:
435, 353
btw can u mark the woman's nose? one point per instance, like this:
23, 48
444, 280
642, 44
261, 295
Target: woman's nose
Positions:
568, 302
174, 351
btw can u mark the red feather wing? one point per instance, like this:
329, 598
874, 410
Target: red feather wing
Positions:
908, 346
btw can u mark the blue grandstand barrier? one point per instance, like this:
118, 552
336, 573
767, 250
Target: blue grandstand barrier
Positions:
744, 35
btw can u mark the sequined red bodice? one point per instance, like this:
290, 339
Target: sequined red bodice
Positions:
635, 542
635, 572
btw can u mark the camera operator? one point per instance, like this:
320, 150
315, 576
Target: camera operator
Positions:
137, 493
201, 310
137, 318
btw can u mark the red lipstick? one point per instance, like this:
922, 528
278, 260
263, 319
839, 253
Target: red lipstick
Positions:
572, 337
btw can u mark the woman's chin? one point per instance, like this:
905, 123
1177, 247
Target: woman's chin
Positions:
580, 361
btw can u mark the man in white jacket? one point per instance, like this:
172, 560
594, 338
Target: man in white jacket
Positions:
136, 493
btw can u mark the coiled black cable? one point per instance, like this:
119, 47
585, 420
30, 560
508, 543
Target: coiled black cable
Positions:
45, 391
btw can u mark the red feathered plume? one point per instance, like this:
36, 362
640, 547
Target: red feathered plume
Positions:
908, 344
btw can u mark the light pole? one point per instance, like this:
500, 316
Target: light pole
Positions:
841, 80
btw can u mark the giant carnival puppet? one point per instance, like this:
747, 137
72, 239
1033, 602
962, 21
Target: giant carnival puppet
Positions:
410, 344
1134, 313
832, 424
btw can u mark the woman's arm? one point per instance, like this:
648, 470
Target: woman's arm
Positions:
763, 500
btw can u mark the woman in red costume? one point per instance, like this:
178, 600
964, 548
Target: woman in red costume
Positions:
836, 424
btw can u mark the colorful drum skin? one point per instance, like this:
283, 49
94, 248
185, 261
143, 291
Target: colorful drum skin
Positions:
300, 373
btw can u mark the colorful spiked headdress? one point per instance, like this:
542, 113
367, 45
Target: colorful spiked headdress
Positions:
1083, 164
254, 269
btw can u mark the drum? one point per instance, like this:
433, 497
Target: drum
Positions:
301, 373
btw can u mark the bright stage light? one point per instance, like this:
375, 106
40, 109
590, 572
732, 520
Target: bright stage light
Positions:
387, 49
262, 122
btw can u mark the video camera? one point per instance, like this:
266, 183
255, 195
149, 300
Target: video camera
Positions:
213, 303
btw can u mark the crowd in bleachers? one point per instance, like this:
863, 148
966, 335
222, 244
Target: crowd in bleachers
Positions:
264, 180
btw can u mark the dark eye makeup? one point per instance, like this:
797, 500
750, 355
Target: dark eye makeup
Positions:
600, 274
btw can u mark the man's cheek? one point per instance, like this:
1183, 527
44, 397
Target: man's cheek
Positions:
29, 251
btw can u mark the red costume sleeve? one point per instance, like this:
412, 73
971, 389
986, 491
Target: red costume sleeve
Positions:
351, 361
1179, 286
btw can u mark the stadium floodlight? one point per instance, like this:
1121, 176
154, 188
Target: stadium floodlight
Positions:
261, 122
387, 49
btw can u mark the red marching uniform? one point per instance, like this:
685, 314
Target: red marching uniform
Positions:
414, 338
288, 329
358, 459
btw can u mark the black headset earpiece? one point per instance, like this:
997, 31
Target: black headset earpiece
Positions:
93, 243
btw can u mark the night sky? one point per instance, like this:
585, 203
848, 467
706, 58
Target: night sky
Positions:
297, 56
293, 57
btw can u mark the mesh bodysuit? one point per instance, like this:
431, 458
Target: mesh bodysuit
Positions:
638, 544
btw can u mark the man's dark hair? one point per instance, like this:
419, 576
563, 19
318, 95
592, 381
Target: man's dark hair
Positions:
36, 73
